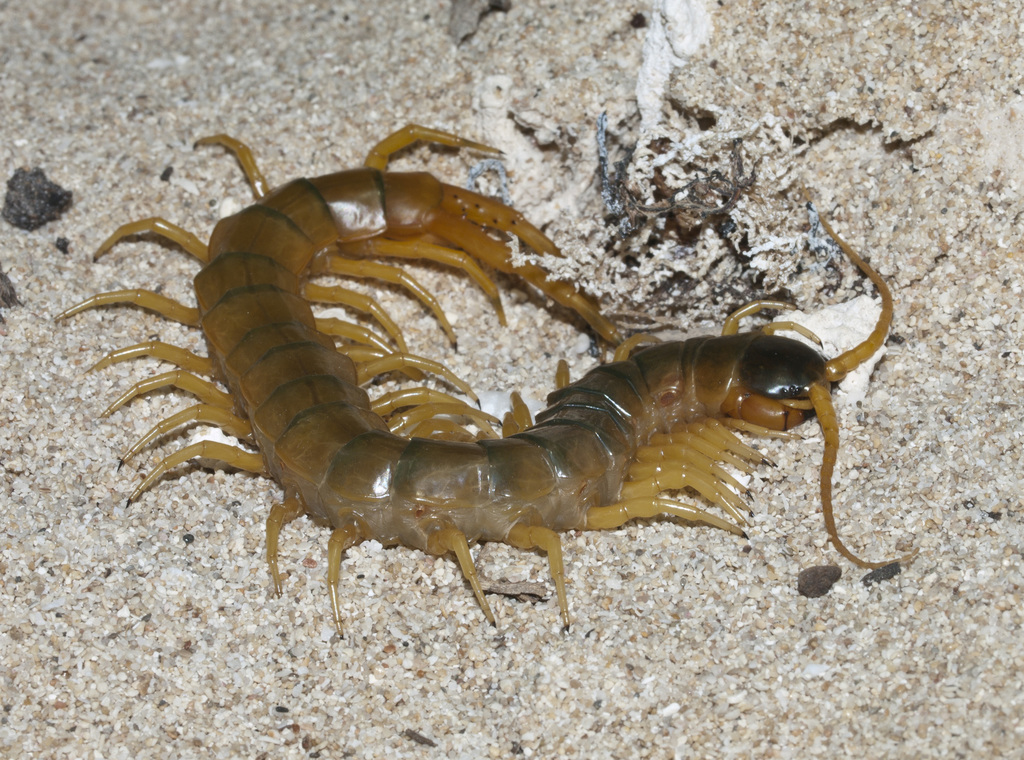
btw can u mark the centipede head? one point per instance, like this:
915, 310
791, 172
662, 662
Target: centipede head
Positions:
775, 375
783, 382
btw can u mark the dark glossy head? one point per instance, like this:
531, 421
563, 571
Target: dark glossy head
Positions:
771, 371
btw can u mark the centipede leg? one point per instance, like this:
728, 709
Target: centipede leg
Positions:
401, 361
202, 389
166, 352
359, 302
222, 452
615, 515
451, 226
351, 332
381, 153
536, 537
421, 406
387, 273
245, 158
201, 413
518, 418
732, 323
442, 429
362, 354
490, 212
451, 539
387, 403
776, 327
158, 226
671, 457
411, 418
281, 514
625, 349
417, 248
562, 377
147, 299
653, 478
342, 539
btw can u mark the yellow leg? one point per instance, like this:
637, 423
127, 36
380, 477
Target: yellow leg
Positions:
147, 299
357, 301
671, 456
532, 536
451, 539
165, 352
442, 429
381, 153
455, 224
351, 332
750, 427
157, 226
245, 158
402, 421
713, 430
363, 354
732, 323
342, 539
387, 273
562, 378
509, 426
485, 211
204, 390
648, 480
714, 439
222, 452
625, 349
607, 518
409, 397
421, 249
280, 514
520, 411
774, 327
518, 419
201, 413
400, 361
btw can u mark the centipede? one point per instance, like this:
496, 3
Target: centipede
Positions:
653, 433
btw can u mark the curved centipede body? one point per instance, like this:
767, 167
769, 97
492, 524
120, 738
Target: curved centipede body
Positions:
611, 447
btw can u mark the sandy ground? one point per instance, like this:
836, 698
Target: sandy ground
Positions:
152, 630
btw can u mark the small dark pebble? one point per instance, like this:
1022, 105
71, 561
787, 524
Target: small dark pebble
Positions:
165, 175
817, 581
639, 21
188, 538
8, 296
63, 245
32, 200
466, 15
882, 574
419, 738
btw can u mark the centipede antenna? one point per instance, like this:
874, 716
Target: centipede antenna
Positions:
840, 366
826, 413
